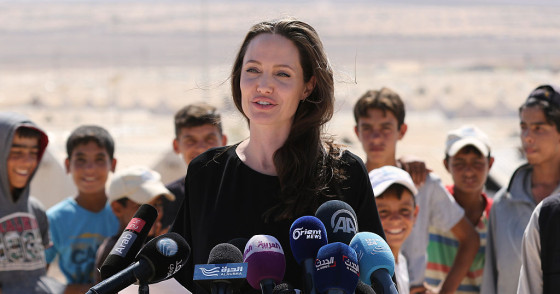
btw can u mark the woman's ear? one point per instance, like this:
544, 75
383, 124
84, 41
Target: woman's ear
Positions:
309, 86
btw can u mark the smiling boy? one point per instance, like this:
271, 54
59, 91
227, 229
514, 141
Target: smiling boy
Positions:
79, 224
395, 198
23, 222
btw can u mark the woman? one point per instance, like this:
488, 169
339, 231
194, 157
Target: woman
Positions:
283, 84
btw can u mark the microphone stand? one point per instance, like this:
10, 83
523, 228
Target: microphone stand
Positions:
143, 288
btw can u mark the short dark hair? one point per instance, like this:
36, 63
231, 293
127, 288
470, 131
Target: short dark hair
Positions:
27, 132
469, 149
398, 190
197, 114
90, 133
385, 100
547, 98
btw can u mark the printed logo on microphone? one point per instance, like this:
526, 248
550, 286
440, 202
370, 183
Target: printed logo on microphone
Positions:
350, 265
260, 246
220, 271
321, 264
307, 234
173, 268
123, 244
136, 225
167, 247
377, 245
343, 220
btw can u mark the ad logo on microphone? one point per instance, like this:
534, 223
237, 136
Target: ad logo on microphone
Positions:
325, 263
377, 245
167, 247
343, 220
220, 271
123, 244
136, 225
308, 234
350, 265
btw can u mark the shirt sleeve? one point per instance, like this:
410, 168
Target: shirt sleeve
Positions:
182, 227
445, 213
51, 251
490, 274
363, 200
530, 278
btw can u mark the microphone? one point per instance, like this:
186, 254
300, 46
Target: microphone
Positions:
130, 241
376, 261
239, 243
337, 269
363, 288
339, 219
307, 235
265, 261
158, 260
225, 271
285, 288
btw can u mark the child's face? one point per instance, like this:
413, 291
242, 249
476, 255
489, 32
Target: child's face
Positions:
397, 216
90, 165
22, 161
379, 133
469, 170
540, 140
193, 141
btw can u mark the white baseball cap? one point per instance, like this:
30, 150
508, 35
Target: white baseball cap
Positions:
467, 135
383, 177
139, 184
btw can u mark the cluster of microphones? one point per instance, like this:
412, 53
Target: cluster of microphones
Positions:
335, 258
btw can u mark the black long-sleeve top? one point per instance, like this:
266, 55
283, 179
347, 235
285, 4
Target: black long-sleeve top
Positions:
226, 199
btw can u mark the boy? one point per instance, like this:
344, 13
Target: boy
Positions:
23, 223
468, 160
129, 189
379, 117
531, 183
394, 193
198, 127
79, 224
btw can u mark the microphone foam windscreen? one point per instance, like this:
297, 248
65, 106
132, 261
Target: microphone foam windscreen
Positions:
373, 254
265, 260
363, 288
339, 219
129, 243
166, 254
225, 253
284, 288
336, 268
307, 235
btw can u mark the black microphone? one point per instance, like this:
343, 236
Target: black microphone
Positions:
225, 271
130, 241
158, 260
339, 219
285, 288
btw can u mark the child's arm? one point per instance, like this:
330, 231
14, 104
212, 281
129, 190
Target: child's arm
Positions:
469, 242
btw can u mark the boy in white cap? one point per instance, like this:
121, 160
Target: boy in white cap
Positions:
128, 190
395, 193
468, 160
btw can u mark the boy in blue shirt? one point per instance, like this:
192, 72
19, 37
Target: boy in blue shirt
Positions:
79, 224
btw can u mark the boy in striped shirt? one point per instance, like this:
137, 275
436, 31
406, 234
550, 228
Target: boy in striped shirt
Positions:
468, 160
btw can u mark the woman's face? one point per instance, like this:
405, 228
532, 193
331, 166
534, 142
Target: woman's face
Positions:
271, 81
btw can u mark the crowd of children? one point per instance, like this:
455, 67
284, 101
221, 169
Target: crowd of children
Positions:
452, 239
